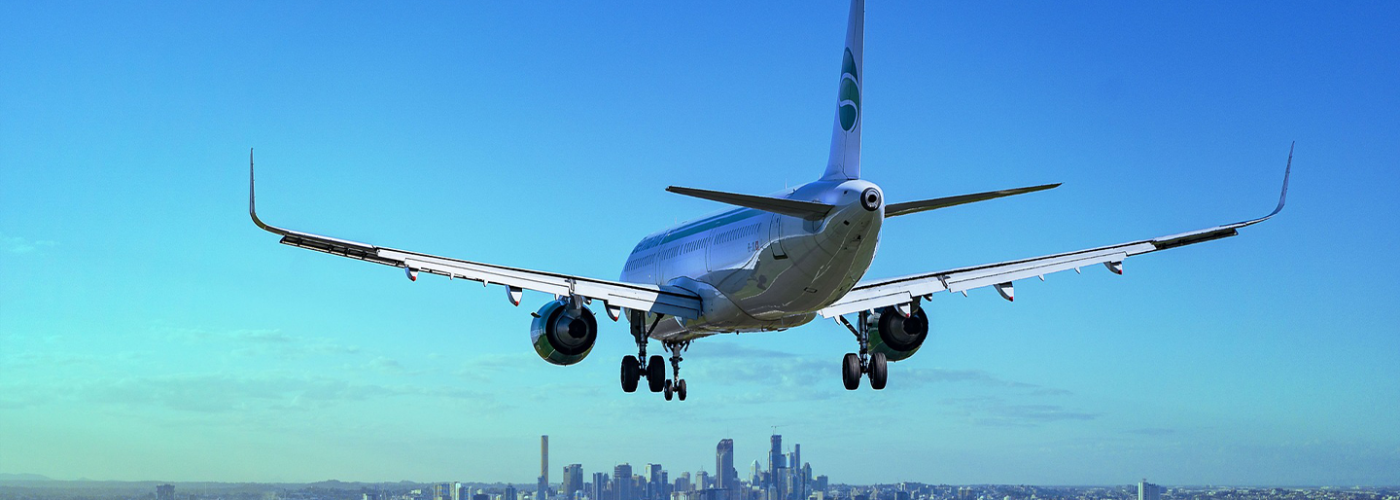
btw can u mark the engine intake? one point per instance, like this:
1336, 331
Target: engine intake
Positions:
561, 337
894, 335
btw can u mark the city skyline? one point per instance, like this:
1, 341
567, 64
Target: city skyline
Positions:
149, 330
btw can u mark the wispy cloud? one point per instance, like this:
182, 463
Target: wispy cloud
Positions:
272, 343
224, 392
998, 411
16, 245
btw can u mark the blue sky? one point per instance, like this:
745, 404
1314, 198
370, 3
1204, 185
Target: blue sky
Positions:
149, 331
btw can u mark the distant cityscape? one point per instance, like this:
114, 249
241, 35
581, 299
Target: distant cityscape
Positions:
784, 477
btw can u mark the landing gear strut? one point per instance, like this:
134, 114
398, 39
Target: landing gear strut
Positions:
854, 365
676, 384
632, 366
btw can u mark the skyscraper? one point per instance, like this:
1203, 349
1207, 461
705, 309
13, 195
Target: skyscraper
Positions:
600, 486
509, 493
573, 480
1149, 491
775, 456
542, 489
702, 480
725, 475
622, 482
655, 486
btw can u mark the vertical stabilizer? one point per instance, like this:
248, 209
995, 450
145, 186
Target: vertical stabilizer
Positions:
844, 162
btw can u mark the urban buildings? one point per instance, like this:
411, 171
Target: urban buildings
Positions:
1149, 491
726, 478
542, 489
573, 481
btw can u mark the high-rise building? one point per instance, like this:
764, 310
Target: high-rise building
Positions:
1149, 491
457, 491
820, 483
442, 491
509, 493
600, 486
683, 482
806, 480
542, 488
573, 480
655, 487
755, 477
622, 482
726, 478
702, 480
775, 456
165, 492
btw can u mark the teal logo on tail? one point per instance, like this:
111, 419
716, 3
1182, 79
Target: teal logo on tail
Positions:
848, 102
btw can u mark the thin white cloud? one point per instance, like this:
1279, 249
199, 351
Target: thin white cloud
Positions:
16, 245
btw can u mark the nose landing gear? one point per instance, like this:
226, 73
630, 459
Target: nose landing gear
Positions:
676, 385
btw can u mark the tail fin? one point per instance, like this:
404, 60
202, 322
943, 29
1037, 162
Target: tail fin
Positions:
844, 162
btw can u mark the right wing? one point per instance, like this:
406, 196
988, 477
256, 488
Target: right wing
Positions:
903, 292
615, 295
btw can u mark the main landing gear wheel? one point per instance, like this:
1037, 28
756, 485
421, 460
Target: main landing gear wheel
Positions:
680, 389
656, 373
631, 371
878, 371
873, 365
850, 371
667, 390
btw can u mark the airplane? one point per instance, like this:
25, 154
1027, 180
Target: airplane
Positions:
771, 263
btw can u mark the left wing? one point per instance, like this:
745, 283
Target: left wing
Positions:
615, 295
903, 292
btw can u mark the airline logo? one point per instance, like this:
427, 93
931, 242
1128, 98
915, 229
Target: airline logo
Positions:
848, 102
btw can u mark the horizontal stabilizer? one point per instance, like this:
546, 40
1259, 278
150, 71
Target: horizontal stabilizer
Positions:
910, 207
792, 208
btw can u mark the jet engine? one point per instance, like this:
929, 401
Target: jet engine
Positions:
562, 337
894, 335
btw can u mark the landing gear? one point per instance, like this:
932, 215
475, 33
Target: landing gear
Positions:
676, 383
631, 369
850, 371
853, 365
877, 371
656, 374
654, 369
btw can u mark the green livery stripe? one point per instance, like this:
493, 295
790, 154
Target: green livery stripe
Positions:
710, 223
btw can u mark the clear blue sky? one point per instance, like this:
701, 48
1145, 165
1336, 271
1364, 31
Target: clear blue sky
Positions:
149, 331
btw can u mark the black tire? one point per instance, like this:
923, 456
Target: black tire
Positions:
680, 389
878, 371
629, 373
850, 371
667, 390
656, 373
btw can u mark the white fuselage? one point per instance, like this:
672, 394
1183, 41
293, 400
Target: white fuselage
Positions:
760, 271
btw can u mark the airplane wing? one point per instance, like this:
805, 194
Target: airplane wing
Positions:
615, 295
903, 292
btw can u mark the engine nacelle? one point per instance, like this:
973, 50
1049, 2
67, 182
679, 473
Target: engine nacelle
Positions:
894, 335
561, 337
